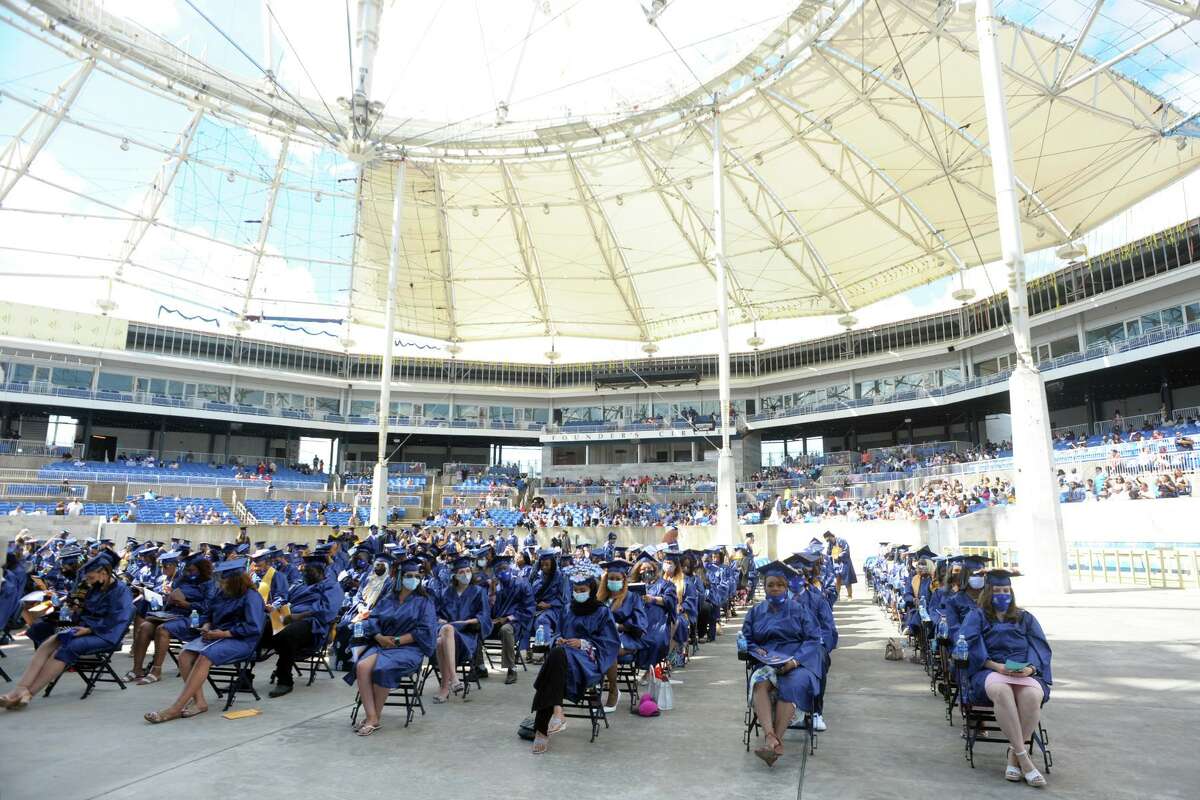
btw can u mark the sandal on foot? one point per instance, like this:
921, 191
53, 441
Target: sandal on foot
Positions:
1033, 777
1012, 772
557, 725
439, 699
541, 744
148, 679
366, 729
17, 703
133, 677
188, 713
157, 717
768, 755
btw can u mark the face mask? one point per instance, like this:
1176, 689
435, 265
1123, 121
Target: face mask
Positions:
482, 562
615, 586
1001, 602
975, 581
462, 577
410, 583
777, 599
312, 577
504, 577
381, 569
649, 577
581, 597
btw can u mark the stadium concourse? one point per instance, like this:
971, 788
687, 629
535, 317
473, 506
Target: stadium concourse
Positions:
670, 397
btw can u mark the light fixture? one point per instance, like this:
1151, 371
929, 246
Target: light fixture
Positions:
317, 197
756, 341
552, 355
1071, 250
229, 176
546, 209
687, 182
475, 211
758, 159
847, 320
125, 145
963, 295
650, 348
620, 199
501, 112
454, 348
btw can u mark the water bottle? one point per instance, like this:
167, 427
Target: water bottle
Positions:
542, 635
741, 642
358, 630
922, 611
960, 648
194, 619
943, 629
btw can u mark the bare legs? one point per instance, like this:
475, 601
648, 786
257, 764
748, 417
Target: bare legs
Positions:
612, 685
1017, 710
194, 670
42, 669
775, 724
370, 693
446, 660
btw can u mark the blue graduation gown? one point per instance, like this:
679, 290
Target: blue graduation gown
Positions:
631, 615
199, 594
471, 604
955, 608
818, 608
775, 635
243, 616
999, 641
655, 636
554, 592
598, 628
843, 566
107, 614
319, 599
689, 607
12, 590
515, 599
417, 615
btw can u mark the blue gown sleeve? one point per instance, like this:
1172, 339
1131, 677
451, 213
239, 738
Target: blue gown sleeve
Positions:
254, 617
1039, 648
972, 631
670, 601
115, 615
483, 613
603, 635
425, 627
525, 607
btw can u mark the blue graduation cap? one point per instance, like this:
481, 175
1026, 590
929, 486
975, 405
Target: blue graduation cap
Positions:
777, 569
462, 562
411, 564
1000, 577
70, 552
618, 565
102, 560
316, 558
234, 566
263, 554
169, 557
502, 561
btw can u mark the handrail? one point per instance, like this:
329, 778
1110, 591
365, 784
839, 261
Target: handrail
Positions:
1157, 568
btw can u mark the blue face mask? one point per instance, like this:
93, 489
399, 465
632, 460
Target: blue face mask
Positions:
777, 599
615, 586
581, 597
975, 581
504, 577
462, 577
1001, 602
410, 583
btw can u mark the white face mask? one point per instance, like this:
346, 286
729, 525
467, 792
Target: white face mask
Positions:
975, 581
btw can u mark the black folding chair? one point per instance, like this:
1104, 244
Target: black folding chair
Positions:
315, 660
406, 695
494, 647
627, 677
227, 680
752, 723
465, 668
590, 707
92, 668
979, 725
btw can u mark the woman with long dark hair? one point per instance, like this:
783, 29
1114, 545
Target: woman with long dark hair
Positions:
550, 593
192, 591
1008, 665
659, 602
629, 614
582, 654
229, 632
400, 631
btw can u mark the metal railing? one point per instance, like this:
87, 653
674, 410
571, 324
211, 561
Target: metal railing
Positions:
1135, 422
1001, 557
48, 489
49, 473
1157, 568
22, 447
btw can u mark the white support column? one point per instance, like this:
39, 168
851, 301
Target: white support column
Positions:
18, 156
379, 482
1081, 332
726, 480
1039, 519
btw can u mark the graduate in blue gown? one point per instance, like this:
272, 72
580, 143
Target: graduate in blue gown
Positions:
191, 590
400, 632
687, 601
313, 605
512, 613
584, 651
1008, 665
629, 614
962, 594
784, 639
100, 619
229, 633
12, 587
839, 551
660, 603
465, 619
550, 593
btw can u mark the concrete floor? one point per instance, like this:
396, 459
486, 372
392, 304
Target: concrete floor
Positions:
1121, 720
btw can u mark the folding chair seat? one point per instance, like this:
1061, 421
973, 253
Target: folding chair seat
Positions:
493, 651
92, 668
229, 679
751, 721
590, 707
627, 677
979, 725
407, 696
465, 669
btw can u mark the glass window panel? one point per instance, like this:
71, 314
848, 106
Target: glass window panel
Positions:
1192, 310
113, 382
1172, 317
72, 378
250, 397
437, 411
159, 386
362, 408
213, 392
1151, 321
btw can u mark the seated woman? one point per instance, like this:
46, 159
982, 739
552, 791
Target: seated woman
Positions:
229, 632
465, 618
1008, 664
783, 637
583, 653
659, 603
193, 592
688, 602
102, 616
629, 614
400, 631
962, 592
550, 594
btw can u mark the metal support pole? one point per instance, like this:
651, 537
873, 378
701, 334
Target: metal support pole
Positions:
379, 482
1044, 554
727, 527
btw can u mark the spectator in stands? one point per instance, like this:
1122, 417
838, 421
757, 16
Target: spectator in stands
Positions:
1099, 481
74, 508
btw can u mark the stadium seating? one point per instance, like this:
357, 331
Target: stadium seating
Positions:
271, 511
125, 472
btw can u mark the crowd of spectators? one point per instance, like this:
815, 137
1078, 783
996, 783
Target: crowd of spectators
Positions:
637, 484
936, 499
1108, 483
905, 459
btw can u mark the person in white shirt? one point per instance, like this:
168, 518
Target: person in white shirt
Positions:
74, 508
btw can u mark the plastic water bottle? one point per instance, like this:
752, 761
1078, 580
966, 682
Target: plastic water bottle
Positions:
358, 630
922, 611
943, 629
741, 642
542, 635
194, 619
960, 648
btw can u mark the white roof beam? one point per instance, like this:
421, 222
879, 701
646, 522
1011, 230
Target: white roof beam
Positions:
823, 280
529, 256
444, 250
152, 203
1188, 8
659, 179
18, 156
871, 204
834, 55
264, 228
1107, 64
1083, 34
610, 249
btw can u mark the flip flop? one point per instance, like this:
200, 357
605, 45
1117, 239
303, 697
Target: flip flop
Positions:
366, 729
557, 725
541, 745
147, 679
155, 718
437, 698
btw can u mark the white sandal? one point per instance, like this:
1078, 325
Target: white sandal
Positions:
1012, 772
1033, 777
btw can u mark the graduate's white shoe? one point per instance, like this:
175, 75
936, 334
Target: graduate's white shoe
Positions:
613, 707
818, 722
